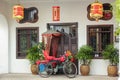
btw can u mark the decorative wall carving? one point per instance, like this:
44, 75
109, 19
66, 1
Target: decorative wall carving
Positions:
30, 15
107, 12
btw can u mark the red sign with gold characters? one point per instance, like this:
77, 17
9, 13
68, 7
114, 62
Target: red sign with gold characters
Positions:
56, 13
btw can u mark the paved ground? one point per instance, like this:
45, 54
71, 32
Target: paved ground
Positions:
53, 77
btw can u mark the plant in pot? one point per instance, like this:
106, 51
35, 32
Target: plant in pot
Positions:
33, 54
85, 55
111, 53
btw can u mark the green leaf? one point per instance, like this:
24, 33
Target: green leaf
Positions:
111, 54
85, 54
35, 53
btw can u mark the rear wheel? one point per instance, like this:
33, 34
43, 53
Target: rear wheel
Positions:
70, 69
45, 70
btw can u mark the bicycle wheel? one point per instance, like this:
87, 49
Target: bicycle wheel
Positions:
70, 69
45, 70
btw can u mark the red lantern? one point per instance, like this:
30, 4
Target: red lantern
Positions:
56, 13
96, 10
18, 12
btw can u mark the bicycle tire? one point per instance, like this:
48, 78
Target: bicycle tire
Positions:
45, 70
70, 69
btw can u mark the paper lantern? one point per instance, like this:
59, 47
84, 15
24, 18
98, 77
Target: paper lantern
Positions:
56, 13
96, 10
18, 12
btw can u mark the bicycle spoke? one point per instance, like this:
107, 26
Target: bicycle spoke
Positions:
70, 70
46, 70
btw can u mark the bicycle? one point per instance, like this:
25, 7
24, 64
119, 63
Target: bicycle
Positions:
51, 65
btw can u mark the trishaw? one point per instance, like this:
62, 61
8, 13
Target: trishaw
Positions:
51, 65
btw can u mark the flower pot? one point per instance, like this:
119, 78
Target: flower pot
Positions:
112, 70
84, 69
34, 69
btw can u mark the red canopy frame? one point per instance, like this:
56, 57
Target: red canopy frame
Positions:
50, 39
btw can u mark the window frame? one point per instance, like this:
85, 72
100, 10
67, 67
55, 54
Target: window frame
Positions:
100, 26
17, 42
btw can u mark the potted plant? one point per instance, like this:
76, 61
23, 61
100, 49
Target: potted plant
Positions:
111, 53
34, 54
85, 55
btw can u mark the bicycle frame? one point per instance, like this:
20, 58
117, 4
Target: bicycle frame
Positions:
52, 65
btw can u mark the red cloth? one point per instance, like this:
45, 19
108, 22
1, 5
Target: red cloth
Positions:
38, 62
41, 61
47, 57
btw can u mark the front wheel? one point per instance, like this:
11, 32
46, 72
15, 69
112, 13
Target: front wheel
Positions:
70, 69
45, 70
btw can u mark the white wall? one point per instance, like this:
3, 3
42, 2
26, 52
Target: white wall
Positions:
3, 39
69, 12
3, 45
99, 67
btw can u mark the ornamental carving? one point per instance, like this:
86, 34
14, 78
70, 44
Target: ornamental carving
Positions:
107, 12
30, 15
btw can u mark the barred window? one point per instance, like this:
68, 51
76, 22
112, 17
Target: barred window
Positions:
98, 36
25, 38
